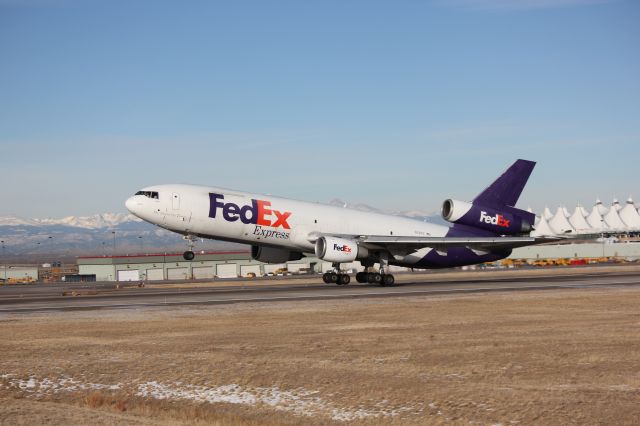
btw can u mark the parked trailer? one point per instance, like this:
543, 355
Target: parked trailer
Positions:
79, 278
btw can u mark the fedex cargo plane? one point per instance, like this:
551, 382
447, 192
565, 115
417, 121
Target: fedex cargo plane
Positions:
280, 229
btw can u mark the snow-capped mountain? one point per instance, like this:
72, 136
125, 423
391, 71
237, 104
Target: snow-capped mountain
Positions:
99, 234
96, 221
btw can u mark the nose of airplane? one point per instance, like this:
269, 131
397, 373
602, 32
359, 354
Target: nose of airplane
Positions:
131, 205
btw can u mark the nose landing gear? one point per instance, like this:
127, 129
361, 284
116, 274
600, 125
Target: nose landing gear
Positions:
189, 254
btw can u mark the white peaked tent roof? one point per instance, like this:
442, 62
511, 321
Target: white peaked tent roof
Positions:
542, 228
630, 215
618, 219
616, 204
559, 223
595, 219
613, 220
578, 221
602, 210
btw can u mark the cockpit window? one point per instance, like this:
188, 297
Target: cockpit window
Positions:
149, 194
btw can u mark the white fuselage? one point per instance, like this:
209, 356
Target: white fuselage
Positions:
263, 220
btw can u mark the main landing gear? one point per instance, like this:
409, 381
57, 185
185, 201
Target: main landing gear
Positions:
336, 277
380, 278
375, 278
189, 254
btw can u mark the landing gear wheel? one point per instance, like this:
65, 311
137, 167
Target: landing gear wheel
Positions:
344, 279
388, 280
188, 255
374, 278
361, 277
330, 277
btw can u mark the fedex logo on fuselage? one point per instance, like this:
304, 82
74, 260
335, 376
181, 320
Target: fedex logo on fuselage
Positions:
345, 248
498, 220
259, 212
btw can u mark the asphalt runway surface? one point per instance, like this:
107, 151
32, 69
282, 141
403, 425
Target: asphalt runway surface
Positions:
88, 296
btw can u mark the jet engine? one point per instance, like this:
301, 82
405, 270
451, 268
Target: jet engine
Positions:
503, 220
273, 255
340, 250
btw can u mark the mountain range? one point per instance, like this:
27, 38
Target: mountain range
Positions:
95, 221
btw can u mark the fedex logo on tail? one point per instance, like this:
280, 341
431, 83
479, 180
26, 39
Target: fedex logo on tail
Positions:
344, 248
498, 220
259, 212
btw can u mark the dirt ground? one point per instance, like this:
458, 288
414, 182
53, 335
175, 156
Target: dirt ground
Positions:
553, 357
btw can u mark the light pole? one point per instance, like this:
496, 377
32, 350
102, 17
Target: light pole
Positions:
114, 242
141, 244
4, 263
51, 246
602, 229
104, 249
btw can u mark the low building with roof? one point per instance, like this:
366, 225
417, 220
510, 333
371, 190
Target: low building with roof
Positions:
18, 273
172, 266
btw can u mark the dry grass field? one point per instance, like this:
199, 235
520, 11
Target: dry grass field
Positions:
553, 357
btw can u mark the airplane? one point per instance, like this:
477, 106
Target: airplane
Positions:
281, 229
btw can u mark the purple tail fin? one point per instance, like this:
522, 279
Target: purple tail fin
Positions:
506, 190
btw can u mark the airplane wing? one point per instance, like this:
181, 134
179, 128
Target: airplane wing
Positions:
409, 244
443, 243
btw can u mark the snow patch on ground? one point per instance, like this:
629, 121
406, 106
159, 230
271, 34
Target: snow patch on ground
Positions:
300, 401
49, 386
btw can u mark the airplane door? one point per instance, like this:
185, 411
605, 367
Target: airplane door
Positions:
175, 200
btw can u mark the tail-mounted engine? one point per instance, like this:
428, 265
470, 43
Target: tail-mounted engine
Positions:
506, 220
333, 249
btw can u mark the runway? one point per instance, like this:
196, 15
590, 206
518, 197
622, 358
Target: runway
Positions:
47, 297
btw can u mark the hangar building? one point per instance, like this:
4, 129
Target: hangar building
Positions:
172, 266
25, 273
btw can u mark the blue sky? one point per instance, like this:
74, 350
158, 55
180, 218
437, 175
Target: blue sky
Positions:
395, 104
